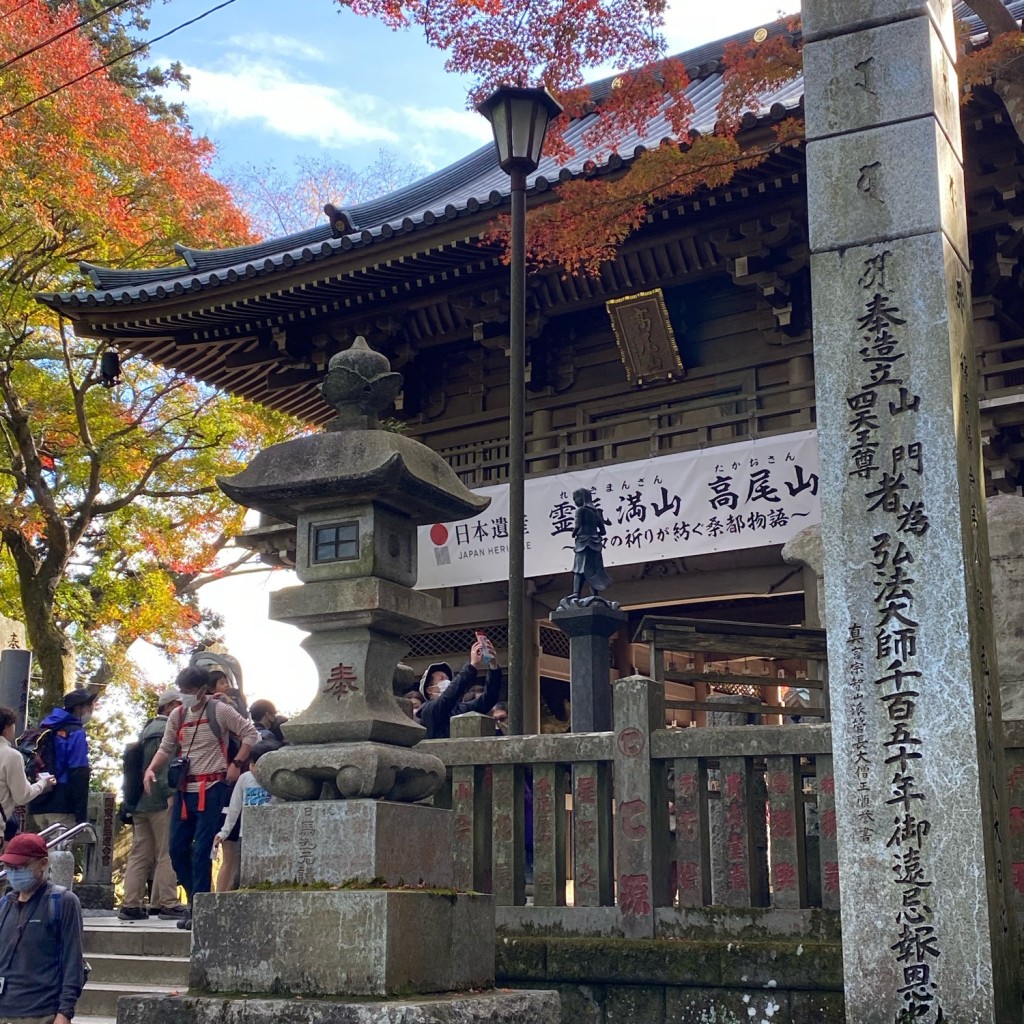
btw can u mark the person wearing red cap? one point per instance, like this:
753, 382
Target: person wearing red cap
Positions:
41, 960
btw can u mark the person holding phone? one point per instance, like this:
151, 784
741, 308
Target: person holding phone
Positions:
443, 694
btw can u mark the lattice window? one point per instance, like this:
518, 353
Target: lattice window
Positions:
554, 642
452, 641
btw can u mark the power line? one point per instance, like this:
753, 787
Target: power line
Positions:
106, 64
15, 10
59, 35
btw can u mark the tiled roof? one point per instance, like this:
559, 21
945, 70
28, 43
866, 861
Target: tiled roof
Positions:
466, 186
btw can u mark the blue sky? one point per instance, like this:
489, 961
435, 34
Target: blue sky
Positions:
274, 80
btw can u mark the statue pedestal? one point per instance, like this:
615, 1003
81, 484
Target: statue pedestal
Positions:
589, 628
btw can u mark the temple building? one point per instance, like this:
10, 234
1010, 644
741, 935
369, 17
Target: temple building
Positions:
677, 383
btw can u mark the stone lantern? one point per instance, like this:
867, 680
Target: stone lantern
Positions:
346, 883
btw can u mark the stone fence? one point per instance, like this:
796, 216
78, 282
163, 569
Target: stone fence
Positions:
648, 832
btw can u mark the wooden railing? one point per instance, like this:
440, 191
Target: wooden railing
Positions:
641, 831
632, 830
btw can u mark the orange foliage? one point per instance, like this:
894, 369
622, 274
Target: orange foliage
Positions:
92, 161
981, 65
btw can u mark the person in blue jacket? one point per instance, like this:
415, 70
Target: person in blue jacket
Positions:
67, 803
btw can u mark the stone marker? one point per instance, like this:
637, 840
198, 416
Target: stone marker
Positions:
350, 879
915, 713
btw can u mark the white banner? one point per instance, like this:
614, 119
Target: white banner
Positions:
741, 495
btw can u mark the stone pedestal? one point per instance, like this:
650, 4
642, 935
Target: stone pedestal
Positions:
917, 741
333, 842
371, 942
589, 628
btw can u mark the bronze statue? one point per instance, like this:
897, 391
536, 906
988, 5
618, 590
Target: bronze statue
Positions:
589, 537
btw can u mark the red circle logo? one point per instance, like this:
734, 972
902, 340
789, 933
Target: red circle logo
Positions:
439, 534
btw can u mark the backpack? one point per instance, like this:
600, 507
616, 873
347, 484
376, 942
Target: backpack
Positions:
54, 925
133, 766
39, 749
229, 751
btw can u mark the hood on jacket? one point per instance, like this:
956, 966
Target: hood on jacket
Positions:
437, 666
58, 718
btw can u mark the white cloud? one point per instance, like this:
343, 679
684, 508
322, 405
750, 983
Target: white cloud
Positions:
254, 91
259, 91
272, 45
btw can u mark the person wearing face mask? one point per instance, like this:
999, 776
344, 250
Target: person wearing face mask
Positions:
198, 731
41, 958
67, 803
443, 694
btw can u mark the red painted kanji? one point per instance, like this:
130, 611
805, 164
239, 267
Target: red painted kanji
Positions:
687, 825
687, 876
1018, 877
463, 826
828, 785
341, 681
733, 786
633, 819
634, 894
631, 742
828, 824
783, 824
1016, 821
586, 789
687, 785
738, 877
831, 881
784, 877
780, 783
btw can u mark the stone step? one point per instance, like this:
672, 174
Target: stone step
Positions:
136, 939
99, 998
89, 1018
142, 970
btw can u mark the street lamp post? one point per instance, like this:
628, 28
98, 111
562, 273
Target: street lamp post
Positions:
519, 119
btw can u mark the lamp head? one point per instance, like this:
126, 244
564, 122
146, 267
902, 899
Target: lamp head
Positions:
519, 119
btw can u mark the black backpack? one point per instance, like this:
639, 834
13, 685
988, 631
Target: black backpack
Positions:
38, 747
133, 767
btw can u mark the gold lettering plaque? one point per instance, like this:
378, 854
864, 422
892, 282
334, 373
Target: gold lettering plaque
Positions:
643, 332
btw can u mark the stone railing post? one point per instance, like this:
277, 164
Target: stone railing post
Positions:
641, 812
471, 806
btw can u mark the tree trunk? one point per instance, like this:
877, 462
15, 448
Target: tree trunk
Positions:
52, 650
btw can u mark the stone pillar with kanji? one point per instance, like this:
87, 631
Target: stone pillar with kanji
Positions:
917, 743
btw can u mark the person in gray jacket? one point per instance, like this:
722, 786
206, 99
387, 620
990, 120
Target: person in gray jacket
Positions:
41, 958
151, 818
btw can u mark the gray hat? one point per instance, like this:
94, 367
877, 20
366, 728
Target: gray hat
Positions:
167, 697
437, 666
